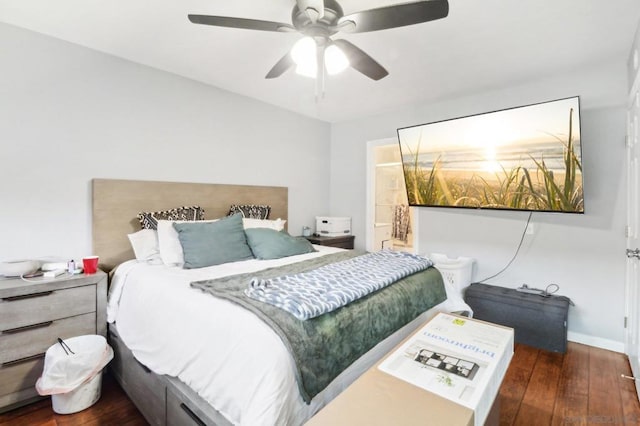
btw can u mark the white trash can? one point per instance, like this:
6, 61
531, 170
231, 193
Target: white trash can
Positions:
72, 372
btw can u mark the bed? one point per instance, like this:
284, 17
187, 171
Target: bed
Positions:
185, 357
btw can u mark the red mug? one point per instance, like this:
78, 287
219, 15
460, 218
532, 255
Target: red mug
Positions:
90, 264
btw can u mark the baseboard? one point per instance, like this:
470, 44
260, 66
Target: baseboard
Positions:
598, 342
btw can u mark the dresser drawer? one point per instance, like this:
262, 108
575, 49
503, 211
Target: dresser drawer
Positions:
32, 340
18, 380
38, 308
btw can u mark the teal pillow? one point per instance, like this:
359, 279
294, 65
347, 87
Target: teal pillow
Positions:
213, 243
268, 243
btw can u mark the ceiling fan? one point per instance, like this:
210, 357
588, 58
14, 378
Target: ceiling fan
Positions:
319, 20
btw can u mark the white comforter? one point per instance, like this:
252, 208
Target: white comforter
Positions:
226, 354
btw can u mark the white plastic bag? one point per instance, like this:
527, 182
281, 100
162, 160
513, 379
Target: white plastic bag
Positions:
65, 371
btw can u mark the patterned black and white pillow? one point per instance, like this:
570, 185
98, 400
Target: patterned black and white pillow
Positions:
250, 211
149, 220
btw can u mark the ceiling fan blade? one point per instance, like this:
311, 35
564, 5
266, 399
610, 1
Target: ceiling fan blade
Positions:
281, 66
247, 24
398, 15
360, 61
313, 8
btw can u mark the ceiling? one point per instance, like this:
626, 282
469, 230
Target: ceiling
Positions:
481, 45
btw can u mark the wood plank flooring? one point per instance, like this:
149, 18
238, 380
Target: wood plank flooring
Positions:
113, 408
581, 387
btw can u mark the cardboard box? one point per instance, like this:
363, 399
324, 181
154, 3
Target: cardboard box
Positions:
380, 398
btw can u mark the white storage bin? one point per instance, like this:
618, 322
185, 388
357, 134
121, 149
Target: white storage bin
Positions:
455, 271
327, 226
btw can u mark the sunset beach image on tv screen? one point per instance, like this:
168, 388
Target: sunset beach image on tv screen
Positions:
524, 158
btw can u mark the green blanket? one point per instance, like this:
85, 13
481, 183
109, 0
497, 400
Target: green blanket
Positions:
325, 346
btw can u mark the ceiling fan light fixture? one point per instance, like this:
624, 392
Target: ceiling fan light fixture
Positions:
307, 70
335, 60
303, 52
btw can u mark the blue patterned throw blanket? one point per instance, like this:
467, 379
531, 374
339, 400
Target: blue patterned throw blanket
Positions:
312, 293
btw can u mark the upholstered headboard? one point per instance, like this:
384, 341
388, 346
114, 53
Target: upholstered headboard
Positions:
116, 204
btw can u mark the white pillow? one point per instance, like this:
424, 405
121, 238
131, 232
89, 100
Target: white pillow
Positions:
145, 246
169, 242
277, 224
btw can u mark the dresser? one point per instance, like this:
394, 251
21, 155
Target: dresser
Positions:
33, 315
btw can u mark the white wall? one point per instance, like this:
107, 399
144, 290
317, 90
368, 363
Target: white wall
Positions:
70, 114
583, 254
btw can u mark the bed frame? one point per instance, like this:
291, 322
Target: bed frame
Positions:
162, 400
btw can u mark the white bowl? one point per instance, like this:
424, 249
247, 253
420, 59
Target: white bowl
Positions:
16, 268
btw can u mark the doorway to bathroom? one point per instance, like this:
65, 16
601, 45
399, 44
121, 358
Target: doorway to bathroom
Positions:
391, 223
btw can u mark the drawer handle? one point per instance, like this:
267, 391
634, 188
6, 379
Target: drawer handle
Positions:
27, 327
21, 360
27, 296
193, 415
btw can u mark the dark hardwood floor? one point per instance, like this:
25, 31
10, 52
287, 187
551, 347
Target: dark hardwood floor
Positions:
113, 408
582, 387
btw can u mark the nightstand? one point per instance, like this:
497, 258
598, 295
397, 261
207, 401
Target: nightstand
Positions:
343, 241
33, 315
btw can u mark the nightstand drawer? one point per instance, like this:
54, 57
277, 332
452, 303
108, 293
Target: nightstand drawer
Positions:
38, 308
28, 341
343, 241
19, 376
343, 244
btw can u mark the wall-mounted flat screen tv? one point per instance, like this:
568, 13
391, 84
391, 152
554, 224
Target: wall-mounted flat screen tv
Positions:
525, 158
